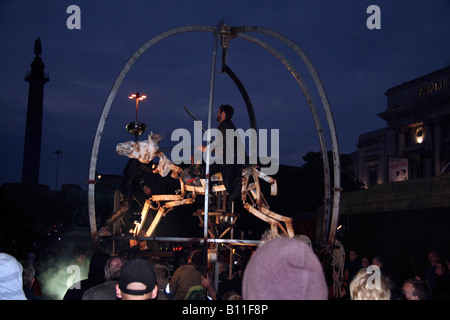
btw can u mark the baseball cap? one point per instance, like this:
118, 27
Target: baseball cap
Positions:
137, 270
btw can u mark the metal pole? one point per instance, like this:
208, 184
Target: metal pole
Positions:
208, 135
137, 106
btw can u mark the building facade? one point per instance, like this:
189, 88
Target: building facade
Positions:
403, 213
416, 141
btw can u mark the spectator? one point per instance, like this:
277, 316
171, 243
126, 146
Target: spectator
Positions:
284, 269
430, 270
186, 277
137, 281
232, 295
441, 289
11, 287
162, 279
392, 281
96, 276
223, 274
365, 262
368, 285
414, 289
107, 290
28, 278
233, 284
352, 266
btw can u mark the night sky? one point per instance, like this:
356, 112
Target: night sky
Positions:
356, 65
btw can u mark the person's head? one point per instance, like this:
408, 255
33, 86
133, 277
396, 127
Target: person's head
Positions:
137, 281
225, 112
284, 269
378, 261
232, 295
11, 283
414, 289
353, 255
113, 268
162, 273
28, 274
223, 267
196, 258
369, 284
433, 258
365, 262
441, 268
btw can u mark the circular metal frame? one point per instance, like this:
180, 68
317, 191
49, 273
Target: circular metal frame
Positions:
330, 224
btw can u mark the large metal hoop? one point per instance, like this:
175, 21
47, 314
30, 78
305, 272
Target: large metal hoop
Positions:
336, 158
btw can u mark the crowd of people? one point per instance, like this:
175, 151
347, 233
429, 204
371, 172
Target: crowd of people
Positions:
365, 280
280, 268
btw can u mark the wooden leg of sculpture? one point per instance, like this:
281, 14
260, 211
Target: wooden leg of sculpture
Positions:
155, 221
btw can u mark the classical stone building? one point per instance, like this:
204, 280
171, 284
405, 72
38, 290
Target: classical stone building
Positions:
404, 210
416, 141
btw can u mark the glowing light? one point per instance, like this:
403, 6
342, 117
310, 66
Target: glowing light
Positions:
137, 96
420, 134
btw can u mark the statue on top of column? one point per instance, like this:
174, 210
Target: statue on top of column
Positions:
37, 47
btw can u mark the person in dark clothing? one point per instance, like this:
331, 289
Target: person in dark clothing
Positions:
352, 266
414, 289
392, 281
441, 290
107, 290
233, 284
28, 277
138, 184
96, 276
187, 279
230, 167
430, 270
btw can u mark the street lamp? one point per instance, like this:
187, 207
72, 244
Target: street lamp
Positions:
138, 97
136, 128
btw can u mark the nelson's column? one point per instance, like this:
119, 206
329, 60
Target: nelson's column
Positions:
33, 132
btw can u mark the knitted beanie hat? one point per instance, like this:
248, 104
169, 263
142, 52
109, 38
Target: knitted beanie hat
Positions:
10, 278
284, 269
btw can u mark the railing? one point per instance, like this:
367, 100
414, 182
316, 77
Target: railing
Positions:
29, 76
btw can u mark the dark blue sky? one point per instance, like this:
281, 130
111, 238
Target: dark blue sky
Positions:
356, 65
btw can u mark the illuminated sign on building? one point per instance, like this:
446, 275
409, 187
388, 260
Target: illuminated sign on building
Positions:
432, 87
